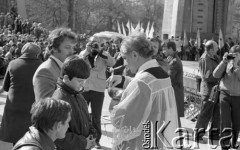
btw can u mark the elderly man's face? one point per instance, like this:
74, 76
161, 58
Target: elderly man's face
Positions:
130, 59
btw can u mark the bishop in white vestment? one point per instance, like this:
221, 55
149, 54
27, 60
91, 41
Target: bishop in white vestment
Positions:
146, 117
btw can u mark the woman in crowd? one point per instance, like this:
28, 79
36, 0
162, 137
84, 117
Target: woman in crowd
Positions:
159, 56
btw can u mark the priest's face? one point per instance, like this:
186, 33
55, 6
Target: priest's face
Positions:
130, 59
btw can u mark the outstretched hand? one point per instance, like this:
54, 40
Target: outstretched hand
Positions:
114, 80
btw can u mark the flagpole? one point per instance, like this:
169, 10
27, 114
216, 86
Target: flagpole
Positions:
191, 16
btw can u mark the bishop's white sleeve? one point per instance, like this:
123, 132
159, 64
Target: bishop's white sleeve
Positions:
127, 116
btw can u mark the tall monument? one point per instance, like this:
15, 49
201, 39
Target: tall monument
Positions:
209, 16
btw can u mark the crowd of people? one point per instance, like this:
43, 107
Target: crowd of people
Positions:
53, 77
192, 52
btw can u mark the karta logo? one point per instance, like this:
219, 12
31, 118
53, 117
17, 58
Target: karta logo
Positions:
153, 133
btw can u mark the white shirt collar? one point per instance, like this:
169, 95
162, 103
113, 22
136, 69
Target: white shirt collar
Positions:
57, 60
149, 64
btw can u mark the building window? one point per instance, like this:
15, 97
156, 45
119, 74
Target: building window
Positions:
199, 22
200, 16
200, 4
200, 10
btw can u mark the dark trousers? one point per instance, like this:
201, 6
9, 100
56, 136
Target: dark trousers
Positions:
206, 113
229, 111
96, 101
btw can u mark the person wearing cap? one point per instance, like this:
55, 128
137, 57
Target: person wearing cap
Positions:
18, 83
207, 63
229, 72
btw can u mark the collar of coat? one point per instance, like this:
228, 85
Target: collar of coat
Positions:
149, 64
66, 88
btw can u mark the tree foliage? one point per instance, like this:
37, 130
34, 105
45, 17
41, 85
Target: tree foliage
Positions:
90, 16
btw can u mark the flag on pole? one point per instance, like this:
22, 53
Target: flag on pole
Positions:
132, 28
147, 29
141, 28
198, 39
138, 27
220, 40
123, 28
185, 40
129, 27
150, 35
119, 28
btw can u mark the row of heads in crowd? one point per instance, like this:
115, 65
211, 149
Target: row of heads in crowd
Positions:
18, 40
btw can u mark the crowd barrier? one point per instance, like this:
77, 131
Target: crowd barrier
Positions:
192, 96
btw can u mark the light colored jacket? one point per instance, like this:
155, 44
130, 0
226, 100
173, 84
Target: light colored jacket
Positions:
97, 79
230, 81
45, 79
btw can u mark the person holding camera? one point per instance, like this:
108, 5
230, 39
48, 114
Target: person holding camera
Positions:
95, 85
229, 72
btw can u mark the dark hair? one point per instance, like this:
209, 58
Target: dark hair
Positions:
159, 42
74, 66
46, 112
57, 36
172, 45
139, 44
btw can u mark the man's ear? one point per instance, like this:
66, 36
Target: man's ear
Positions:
57, 126
135, 55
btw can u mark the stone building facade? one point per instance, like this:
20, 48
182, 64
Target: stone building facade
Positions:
209, 16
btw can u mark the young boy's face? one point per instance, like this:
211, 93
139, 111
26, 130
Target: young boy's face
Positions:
76, 83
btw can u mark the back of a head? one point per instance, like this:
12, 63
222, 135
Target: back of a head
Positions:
31, 50
74, 66
47, 112
139, 44
210, 45
172, 45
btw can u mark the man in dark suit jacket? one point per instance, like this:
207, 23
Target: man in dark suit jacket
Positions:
176, 73
62, 41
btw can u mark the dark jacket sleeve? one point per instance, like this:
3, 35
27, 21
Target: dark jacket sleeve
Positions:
118, 69
72, 141
6, 80
173, 71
